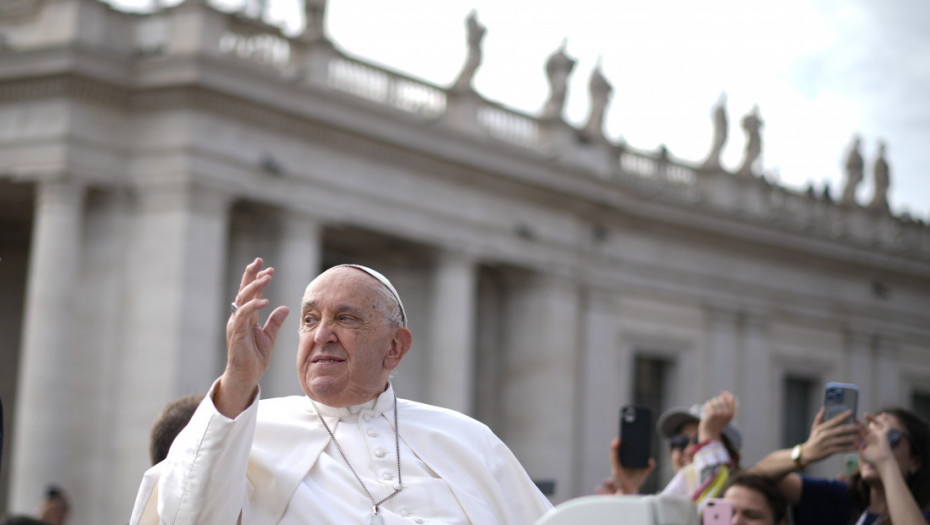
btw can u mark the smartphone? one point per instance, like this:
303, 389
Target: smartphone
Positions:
838, 398
717, 511
635, 436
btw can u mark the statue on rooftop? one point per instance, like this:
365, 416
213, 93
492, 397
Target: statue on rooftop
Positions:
558, 68
752, 125
880, 172
315, 12
854, 173
601, 91
721, 126
476, 33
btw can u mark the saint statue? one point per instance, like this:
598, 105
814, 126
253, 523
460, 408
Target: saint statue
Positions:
721, 126
558, 68
601, 91
854, 173
315, 13
476, 33
752, 125
880, 173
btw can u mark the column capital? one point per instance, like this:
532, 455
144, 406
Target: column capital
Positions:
720, 310
183, 195
756, 316
460, 254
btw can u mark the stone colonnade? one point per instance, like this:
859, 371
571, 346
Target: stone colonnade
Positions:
128, 293
127, 298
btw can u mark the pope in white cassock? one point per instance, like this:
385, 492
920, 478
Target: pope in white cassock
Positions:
347, 452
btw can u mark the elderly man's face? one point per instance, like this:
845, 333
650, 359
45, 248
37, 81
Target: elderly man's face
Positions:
347, 344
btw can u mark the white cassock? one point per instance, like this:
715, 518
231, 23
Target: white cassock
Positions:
276, 464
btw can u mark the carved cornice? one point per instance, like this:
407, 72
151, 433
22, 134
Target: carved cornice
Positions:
532, 175
70, 86
819, 222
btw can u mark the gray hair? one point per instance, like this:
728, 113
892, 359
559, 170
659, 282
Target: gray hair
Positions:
391, 307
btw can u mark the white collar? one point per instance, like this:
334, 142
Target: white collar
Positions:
377, 406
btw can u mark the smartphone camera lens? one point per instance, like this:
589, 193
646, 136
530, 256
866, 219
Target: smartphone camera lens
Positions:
629, 415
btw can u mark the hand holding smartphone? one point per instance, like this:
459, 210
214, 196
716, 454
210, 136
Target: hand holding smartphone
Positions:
717, 511
838, 398
635, 436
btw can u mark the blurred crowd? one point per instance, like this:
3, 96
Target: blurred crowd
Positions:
886, 479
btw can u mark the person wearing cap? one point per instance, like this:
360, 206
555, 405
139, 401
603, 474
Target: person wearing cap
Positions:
679, 427
349, 450
713, 458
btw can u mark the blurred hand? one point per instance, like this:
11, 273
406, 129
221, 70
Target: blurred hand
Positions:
718, 412
607, 487
829, 437
873, 440
627, 480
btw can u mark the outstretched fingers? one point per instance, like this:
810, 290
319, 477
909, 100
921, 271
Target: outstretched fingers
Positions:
254, 289
274, 322
251, 271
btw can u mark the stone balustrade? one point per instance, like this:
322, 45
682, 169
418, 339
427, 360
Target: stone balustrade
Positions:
384, 87
194, 27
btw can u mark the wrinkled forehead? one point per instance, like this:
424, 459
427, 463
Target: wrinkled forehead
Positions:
355, 283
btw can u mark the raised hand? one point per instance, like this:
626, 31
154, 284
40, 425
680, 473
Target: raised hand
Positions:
718, 412
249, 344
873, 440
829, 437
627, 480
608, 487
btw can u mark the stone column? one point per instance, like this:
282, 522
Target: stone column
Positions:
607, 374
97, 350
860, 367
296, 263
888, 375
175, 315
452, 335
722, 341
44, 399
539, 398
760, 435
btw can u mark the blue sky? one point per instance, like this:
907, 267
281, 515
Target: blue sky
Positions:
819, 70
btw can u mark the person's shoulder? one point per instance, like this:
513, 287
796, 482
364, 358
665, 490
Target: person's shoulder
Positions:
826, 483
820, 487
411, 406
438, 415
275, 407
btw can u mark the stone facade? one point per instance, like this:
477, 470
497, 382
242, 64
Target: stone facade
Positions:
144, 159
